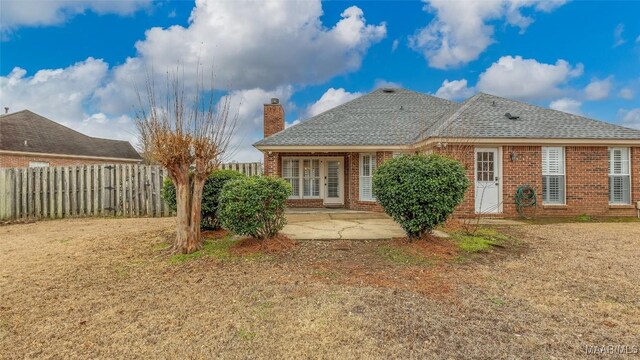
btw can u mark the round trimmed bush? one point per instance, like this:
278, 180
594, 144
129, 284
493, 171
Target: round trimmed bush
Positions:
420, 192
210, 194
254, 206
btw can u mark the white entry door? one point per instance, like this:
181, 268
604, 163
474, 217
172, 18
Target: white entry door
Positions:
334, 182
487, 181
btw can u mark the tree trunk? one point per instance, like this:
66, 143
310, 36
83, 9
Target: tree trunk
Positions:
185, 242
196, 210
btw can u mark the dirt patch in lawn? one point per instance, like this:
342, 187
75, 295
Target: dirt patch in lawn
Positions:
215, 234
430, 246
250, 246
104, 288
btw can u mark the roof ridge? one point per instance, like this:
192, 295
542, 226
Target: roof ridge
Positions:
17, 112
463, 106
558, 111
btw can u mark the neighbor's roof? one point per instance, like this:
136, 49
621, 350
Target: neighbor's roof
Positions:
25, 131
377, 118
403, 117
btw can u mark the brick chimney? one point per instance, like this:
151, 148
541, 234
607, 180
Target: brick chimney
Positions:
273, 117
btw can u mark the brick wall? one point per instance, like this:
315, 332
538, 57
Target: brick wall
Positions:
465, 155
10, 160
526, 169
586, 169
355, 203
586, 176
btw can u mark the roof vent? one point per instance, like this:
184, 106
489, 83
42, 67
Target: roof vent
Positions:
389, 90
275, 101
511, 117
493, 103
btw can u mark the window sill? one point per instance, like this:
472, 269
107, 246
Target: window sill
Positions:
621, 206
555, 207
367, 201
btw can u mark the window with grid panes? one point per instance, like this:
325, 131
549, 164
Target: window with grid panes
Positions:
553, 176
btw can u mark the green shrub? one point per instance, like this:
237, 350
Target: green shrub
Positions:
211, 193
254, 206
420, 192
168, 193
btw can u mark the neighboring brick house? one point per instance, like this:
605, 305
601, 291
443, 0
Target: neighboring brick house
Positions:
576, 165
30, 140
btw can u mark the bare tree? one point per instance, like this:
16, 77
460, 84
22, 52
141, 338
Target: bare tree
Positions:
188, 133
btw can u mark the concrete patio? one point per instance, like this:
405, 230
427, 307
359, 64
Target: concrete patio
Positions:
330, 224
333, 224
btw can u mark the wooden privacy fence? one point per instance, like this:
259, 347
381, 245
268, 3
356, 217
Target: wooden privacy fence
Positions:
89, 190
249, 169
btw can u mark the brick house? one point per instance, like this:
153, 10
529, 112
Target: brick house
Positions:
576, 165
30, 140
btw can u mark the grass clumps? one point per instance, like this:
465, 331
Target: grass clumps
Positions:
216, 248
480, 240
584, 218
402, 256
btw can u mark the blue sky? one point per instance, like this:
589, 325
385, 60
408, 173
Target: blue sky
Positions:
75, 61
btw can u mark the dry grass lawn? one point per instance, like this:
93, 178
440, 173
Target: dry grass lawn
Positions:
104, 288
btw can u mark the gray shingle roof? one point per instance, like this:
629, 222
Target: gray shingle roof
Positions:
26, 131
404, 117
483, 116
377, 118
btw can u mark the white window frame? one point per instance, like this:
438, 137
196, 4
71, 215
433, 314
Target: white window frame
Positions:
301, 176
291, 179
621, 174
37, 164
372, 167
310, 178
561, 173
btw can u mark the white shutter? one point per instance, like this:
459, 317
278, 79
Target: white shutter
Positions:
552, 161
619, 161
619, 176
367, 167
553, 184
291, 173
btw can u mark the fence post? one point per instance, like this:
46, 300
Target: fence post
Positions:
65, 181
25, 186
3, 191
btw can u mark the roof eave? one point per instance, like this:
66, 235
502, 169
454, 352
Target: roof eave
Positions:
331, 148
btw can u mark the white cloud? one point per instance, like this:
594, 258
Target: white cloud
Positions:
56, 93
258, 53
21, 13
630, 118
567, 105
598, 89
382, 83
248, 106
330, 99
395, 44
626, 93
456, 89
519, 78
617, 35
249, 46
461, 31
62, 95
